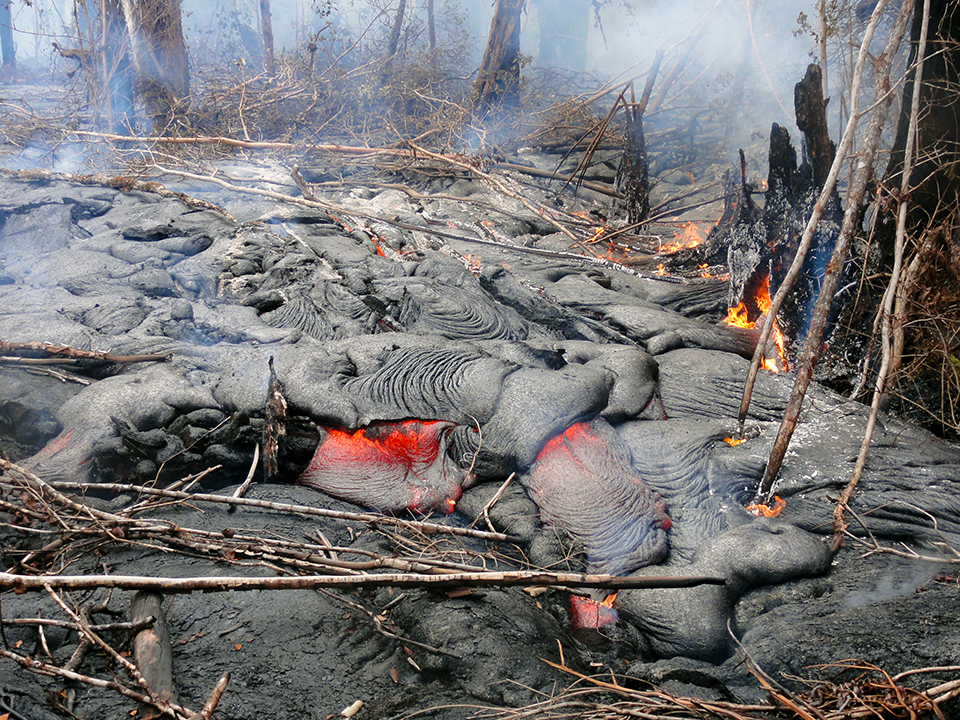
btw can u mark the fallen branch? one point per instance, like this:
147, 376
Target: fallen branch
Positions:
211, 704
43, 668
116, 182
519, 578
69, 354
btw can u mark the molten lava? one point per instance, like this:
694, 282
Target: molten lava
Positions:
740, 316
588, 613
585, 486
390, 466
763, 510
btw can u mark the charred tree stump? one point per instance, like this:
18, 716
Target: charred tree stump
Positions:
7, 53
498, 79
762, 243
633, 179
811, 111
633, 174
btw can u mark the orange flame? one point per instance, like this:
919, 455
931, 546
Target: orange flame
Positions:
733, 442
763, 510
739, 316
705, 273
690, 237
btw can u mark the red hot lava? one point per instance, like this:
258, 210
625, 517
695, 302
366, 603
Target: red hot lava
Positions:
593, 614
390, 466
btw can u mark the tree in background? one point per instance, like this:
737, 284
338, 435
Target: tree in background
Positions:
159, 57
498, 79
6, 34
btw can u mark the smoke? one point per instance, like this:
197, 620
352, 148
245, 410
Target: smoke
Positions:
901, 578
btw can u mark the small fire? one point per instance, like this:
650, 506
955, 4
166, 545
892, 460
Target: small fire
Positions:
690, 237
763, 510
739, 316
705, 273
661, 270
733, 442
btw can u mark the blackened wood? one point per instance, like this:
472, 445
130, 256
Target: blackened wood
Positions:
633, 179
633, 175
275, 427
811, 110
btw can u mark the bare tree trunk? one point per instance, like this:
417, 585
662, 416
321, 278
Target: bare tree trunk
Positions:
266, 22
432, 33
393, 42
935, 182
160, 57
498, 80
6, 34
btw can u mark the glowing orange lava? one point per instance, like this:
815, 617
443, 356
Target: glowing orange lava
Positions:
588, 613
739, 316
705, 273
733, 442
763, 510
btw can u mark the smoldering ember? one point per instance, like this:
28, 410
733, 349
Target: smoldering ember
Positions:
551, 359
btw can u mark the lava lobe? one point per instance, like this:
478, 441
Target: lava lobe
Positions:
585, 486
389, 466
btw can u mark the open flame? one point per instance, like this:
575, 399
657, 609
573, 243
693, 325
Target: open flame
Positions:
689, 236
739, 316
